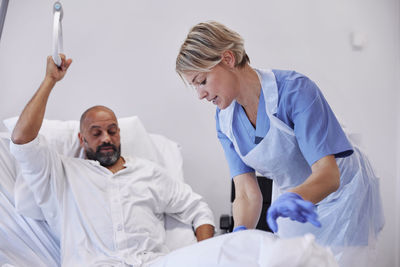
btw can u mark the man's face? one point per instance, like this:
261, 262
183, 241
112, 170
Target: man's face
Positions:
100, 137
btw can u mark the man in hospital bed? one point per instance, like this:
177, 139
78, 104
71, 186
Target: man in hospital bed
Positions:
106, 209
108, 212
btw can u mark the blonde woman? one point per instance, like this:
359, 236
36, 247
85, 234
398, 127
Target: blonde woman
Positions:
279, 124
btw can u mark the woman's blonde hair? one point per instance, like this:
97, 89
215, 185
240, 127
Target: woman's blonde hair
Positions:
204, 45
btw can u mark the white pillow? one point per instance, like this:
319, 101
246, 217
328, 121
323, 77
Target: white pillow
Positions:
171, 155
63, 136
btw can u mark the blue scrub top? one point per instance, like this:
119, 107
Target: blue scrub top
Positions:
302, 107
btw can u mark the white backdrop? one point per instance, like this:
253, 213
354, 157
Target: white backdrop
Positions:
124, 57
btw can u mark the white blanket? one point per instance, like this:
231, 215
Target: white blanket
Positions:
23, 241
251, 248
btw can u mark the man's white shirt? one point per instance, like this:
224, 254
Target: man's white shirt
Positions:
103, 218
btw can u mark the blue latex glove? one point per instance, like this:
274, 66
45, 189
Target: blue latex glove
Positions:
291, 205
239, 228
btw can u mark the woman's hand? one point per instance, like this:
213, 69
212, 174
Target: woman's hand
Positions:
293, 206
298, 204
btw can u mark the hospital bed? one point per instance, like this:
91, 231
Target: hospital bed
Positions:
27, 240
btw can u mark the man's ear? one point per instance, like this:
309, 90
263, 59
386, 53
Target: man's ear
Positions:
228, 58
81, 139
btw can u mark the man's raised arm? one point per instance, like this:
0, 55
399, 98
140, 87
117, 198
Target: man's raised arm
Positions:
31, 118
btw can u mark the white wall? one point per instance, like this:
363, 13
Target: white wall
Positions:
124, 55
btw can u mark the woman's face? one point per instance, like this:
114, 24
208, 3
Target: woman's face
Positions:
218, 86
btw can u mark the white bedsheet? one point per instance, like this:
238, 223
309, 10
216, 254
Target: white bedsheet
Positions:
23, 241
250, 248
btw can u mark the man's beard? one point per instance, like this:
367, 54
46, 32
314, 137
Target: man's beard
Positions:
105, 159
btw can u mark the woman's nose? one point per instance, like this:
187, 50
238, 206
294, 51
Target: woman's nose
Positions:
201, 93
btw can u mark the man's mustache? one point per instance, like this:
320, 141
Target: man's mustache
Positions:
106, 145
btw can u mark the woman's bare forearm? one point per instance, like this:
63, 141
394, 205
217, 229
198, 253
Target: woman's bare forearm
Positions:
324, 180
247, 205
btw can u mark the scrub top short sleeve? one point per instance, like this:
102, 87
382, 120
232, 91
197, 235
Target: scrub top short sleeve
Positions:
236, 165
303, 107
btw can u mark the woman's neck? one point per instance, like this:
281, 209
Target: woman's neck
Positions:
249, 92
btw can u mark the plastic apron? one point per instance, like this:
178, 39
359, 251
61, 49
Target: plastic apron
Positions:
351, 217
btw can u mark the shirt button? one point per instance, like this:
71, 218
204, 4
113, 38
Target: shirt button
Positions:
119, 227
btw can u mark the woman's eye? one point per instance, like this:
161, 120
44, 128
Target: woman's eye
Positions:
203, 82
